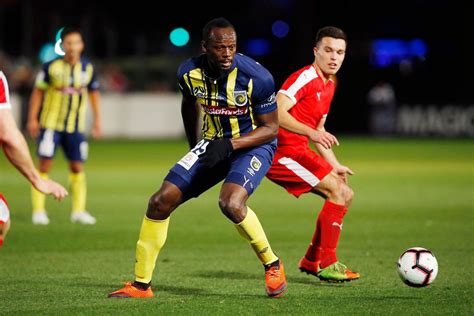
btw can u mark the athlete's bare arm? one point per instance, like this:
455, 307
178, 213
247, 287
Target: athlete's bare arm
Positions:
266, 131
190, 114
16, 150
94, 96
330, 157
288, 122
34, 108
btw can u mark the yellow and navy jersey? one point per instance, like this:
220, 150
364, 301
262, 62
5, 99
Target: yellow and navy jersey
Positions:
229, 103
65, 98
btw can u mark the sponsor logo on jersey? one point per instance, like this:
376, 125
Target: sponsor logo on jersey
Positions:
199, 92
222, 110
269, 101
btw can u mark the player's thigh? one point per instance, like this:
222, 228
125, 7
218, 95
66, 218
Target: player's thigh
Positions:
248, 167
75, 146
192, 177
47, 143
298, 172
330, 184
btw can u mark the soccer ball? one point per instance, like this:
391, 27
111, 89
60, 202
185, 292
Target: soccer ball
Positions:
417, 267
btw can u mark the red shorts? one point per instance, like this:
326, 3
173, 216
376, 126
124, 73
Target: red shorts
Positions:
298, 171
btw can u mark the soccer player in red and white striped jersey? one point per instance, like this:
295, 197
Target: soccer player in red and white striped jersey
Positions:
303, 105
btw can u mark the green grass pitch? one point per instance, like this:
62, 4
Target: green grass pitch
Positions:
407, 193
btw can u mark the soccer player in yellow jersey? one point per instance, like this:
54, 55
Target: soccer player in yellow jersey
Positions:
237, 98
57, 118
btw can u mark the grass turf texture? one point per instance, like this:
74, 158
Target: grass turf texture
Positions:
408, 193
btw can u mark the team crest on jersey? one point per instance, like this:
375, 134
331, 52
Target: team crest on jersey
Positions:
199, 92
240, 98
255, 163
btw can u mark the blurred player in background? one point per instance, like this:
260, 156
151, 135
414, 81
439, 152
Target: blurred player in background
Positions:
240, 123
61, 92
14, 145
303, 105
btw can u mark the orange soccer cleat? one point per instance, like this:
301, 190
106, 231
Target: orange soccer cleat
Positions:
275, 279
131, 291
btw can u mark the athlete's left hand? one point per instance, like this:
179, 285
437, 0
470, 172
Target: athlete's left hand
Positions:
216, 151
343, 171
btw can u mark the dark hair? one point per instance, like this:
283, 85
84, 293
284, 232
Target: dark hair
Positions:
330, 31
69, 30
219, 23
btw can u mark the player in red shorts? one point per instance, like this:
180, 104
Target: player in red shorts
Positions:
303, 105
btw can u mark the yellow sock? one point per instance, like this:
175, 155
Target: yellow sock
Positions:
251, 229
152, 238
38, 199
78, 191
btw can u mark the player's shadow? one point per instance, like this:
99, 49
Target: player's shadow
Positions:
313, 281
187, 291
181, 290
303, 280
226, 275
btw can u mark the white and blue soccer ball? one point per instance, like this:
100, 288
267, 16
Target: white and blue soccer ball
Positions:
417, 267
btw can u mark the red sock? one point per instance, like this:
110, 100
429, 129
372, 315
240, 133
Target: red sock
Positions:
328, 229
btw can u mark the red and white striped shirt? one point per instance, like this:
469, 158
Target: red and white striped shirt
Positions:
312, 98
4, 95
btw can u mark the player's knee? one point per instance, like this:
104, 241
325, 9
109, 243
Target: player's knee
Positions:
232, 208
76, 168
348, 194
160, 206
333, 189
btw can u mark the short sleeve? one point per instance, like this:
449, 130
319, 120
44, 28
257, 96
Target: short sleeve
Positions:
183, 84
263, 93
297, 86
94, 83
42, 79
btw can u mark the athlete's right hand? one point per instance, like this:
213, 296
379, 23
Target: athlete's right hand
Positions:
325, 139
33, 128
51, 187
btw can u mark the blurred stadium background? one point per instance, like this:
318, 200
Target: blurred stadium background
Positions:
403, 111
415, 51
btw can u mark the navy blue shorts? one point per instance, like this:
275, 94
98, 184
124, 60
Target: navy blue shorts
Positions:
245, 167
74, 145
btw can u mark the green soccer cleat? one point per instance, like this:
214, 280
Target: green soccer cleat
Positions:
337, 272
